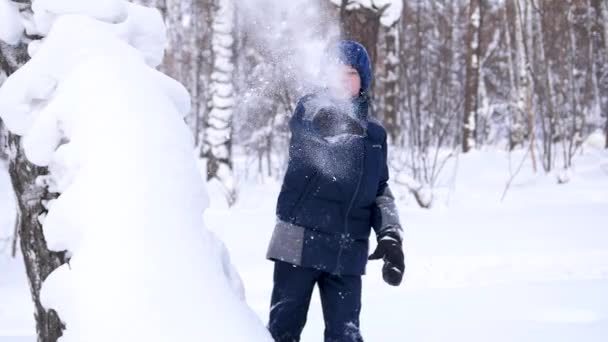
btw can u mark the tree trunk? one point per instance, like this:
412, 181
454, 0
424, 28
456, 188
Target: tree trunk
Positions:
578, 18
606, 132
472, 76
578, 64
187, 57
529, 105
602, 5
202, 66
30, 195
517, 134
6, 68
403, 98
39, 260
3, 141
549, 118
217, 145
388, 113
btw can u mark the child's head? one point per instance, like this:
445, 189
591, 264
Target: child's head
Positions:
349, 80
354, 57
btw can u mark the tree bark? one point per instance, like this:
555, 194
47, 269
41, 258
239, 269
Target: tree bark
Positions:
389, 82
517, 132
549, 119
578, 17
187, 57
30, 194
606, 132
602, 6
39, 260
3, 141
217, 145
471, 104
529, 105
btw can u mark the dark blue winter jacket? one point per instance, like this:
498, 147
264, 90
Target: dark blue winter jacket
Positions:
335, 187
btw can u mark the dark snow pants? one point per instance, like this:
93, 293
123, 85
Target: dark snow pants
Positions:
293, 287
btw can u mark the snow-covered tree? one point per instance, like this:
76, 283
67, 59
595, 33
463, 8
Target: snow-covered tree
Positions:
123, 199
31, 195
188, 54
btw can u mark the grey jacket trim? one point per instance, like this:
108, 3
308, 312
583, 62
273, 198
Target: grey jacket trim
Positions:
287, 243
389, 216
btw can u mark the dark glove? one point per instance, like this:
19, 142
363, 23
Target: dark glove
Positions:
390, 250
330, 122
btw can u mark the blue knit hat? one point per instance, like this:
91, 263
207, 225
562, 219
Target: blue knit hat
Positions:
354, 54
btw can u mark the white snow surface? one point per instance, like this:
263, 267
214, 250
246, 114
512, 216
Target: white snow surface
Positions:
47, 11
11, 24
532, 268
130, 212
24, 94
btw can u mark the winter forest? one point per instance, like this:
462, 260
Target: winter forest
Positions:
450, 76
143, 145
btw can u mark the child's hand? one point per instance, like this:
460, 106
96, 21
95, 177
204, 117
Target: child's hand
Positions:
389, 249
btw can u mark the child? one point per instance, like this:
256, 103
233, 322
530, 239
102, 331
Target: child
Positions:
334, 191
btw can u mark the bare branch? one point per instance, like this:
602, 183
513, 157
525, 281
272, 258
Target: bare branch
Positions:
513, 175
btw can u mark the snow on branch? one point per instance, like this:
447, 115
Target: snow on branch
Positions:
390, 10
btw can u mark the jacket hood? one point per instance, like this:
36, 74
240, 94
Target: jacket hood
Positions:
354, 54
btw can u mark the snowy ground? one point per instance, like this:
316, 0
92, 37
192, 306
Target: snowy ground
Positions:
532, 268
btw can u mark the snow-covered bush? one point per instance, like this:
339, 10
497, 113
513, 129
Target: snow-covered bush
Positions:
91, 106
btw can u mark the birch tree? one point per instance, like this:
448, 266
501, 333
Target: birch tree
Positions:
517, 134
523, 46
217, 145
472, 76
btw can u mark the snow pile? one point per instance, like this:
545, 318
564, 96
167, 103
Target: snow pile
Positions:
92, 108
11, 26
